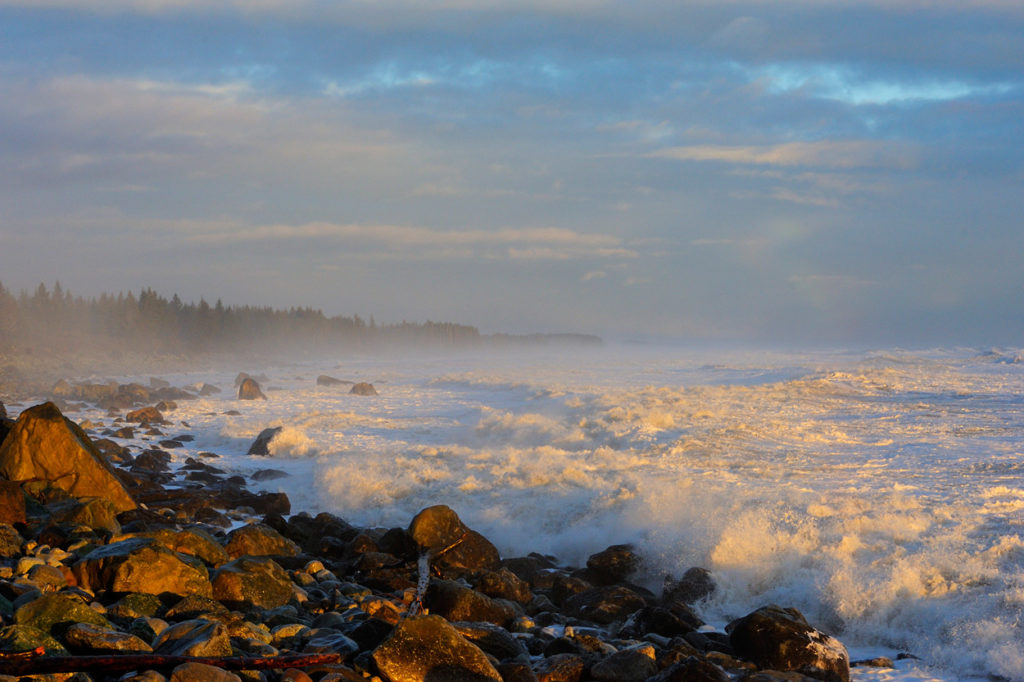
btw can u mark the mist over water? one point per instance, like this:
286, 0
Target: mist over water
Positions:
882, 494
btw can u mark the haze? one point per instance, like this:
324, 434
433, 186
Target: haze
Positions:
789, 172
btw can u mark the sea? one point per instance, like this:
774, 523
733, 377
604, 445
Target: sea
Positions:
879, 492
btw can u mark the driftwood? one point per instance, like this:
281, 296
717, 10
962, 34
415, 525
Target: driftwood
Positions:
34, 663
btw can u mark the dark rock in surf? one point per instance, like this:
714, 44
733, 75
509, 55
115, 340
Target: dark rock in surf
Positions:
363, 388
613, 565
208, 389
261, 446
696, 584
605, 605
250, 390
324, 380
775, 638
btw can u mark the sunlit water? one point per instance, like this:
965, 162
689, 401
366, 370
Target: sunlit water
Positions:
882, 494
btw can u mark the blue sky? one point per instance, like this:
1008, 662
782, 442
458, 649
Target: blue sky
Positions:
827, 172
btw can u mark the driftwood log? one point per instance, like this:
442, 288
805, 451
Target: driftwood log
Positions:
35, 663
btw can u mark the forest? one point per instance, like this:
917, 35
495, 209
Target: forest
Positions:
53, 320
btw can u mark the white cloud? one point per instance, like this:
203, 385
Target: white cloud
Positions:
823, 154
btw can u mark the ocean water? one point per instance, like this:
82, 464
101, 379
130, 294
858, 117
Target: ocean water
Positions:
881, 493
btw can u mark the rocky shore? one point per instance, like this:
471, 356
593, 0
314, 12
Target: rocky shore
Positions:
121, 568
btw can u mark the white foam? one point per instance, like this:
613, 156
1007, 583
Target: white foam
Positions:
878, 493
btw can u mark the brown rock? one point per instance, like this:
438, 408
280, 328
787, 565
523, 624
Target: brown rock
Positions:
142, 565
252, 580
427, 648
560, 668
257, 539
781, 639
145, 415
452, 543
250, 390
458, 603
44, 445
363, 388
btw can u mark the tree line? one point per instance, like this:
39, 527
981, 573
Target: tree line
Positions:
53, 320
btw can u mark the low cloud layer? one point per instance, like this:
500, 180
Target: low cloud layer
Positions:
798, 172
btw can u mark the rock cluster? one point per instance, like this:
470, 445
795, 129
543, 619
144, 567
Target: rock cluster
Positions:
85, 573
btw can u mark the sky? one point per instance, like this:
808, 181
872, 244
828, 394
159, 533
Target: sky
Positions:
802, 172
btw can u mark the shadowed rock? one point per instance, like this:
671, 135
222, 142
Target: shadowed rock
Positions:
363, 388
261, 446
781, 639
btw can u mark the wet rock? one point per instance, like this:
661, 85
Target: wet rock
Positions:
47, 578
560, 668
493, 640
781, 639
269, 474
657, 620
628, 665
428, 648
692, 669
363, 388
250, 390
194, 606
44, 445
54, 613
613, 565
327, 642
696, 584
142, 565
145, 415
257, 539
256, 581
134, 605
504, 584
453, 544
208, 390
605, 604
261, 446
456, 602
197, 637
85, 638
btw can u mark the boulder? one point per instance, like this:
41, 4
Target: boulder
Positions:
504, 584
455, 602
256, 539
95, 512
261, 446
493, 640
613, 565
250, 390
56, 612
634, 664
85, 638
44, 445
560, 668
252, 580
26, 638
440, 531
363, 388
605, 605
197, 637
781, 639
696, 584
692, 669
192, 541
145, 415
428, 648
141, 565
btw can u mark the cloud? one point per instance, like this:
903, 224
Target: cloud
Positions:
825, 154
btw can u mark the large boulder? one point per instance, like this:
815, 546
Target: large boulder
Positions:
54, 613
44, 445
775, 638
142, 565
256, 539
459, 603
428, 648
250, 390
252, 580
450, 542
